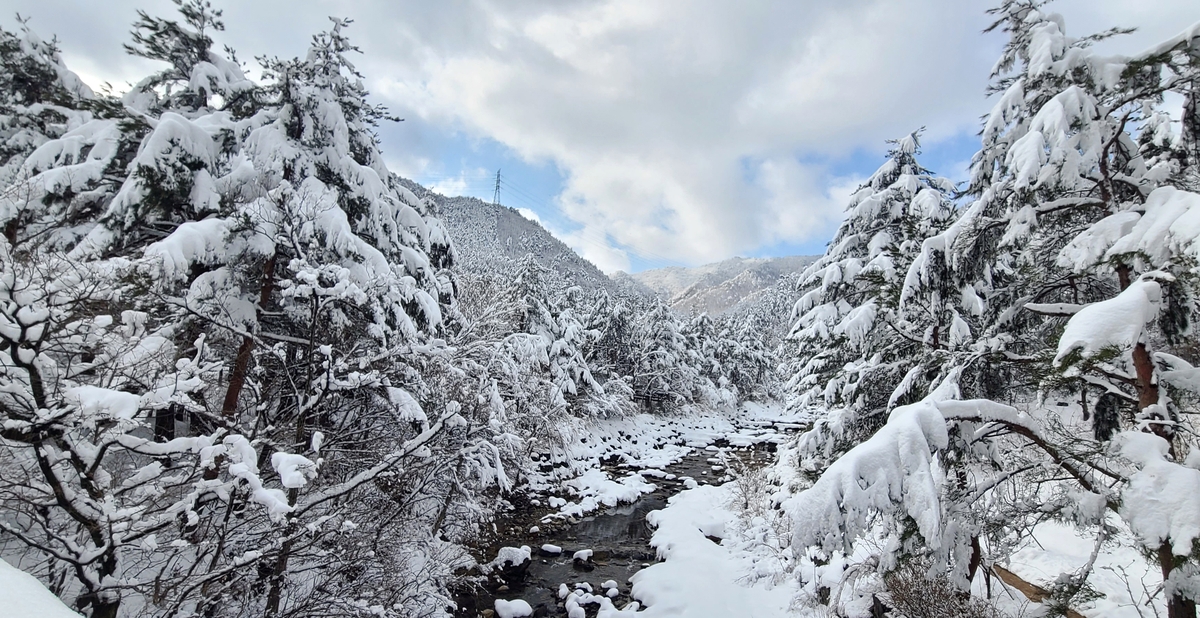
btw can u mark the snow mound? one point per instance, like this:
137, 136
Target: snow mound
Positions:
595, 488
698, 578
25, 596
515, 608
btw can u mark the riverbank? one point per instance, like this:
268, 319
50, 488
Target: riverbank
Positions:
601, 494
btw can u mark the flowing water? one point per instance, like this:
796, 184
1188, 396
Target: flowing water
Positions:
619, 538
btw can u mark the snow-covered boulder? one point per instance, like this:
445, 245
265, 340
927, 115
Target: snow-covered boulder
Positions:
516, 608
512, 562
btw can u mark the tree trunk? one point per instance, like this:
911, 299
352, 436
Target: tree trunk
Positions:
1177, 605
976, 559
300, 442
278, 572
164, 423
241, 364
1147, 392
1190, 130
105, 610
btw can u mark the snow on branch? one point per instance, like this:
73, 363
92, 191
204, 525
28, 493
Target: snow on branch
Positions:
1090, 245
1115, 323
1178, 373
1054, 308
892, 472
1162, 500
1169, 226
896, 473
194, 242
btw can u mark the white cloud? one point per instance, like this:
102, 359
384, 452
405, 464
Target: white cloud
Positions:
602, 253
652, 109
529, 214
686, 129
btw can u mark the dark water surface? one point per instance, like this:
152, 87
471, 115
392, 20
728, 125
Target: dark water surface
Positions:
618, 536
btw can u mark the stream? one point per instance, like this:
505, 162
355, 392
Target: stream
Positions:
619, 537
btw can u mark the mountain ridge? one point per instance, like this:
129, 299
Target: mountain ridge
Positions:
486, 233
719, 287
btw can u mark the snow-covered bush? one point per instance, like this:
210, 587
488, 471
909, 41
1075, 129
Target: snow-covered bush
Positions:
913, 594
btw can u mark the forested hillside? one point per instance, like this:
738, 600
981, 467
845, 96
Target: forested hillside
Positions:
247, 370
724, 286
488, 234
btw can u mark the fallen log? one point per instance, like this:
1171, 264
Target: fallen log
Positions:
1033, 592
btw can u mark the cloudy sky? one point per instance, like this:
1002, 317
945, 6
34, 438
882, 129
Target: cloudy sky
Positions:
643, 132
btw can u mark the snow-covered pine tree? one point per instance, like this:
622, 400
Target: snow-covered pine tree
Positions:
86, 358
197, 78
1066, 213
569, 343
548, 357
707, 351
335, 254
273, 281
40, 100
859, 346
663, 375
37, 93
612, 316
748, 361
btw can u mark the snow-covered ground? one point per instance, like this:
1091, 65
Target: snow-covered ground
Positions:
23, 596
702, 577
643, 444
1128, 583
724, 550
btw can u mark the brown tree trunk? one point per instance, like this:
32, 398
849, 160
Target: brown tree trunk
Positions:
1177, 605
275, 592
241, 363
1123, 276
1147, 392
976, 559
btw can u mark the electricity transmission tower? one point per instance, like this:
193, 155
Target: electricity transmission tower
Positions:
496, 194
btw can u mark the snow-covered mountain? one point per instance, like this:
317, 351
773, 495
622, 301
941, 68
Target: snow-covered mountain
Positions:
719, 287
485, 233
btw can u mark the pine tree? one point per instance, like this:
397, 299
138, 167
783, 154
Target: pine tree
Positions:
40, 101
862, 340
663, 376
748, 361
272, 280
197, 78
1069, 220
37, 93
